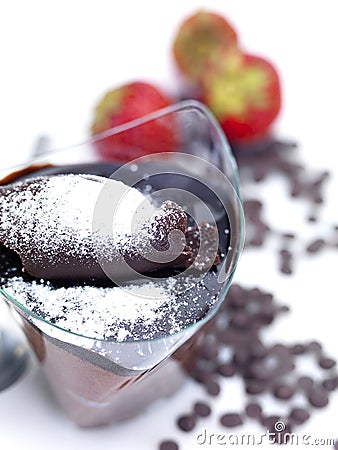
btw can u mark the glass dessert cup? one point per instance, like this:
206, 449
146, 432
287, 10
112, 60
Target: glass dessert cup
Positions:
100, 380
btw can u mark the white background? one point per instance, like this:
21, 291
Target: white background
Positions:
58, 58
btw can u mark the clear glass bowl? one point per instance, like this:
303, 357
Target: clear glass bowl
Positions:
99, 381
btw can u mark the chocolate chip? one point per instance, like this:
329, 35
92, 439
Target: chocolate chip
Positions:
299, 415
286, 267
200, 374
254, 387
314, 347
269, 421
226, 369
202, 409
283, 391
212, 387
168, 445
298, 349
305, 383
253, 410
289, 235
285, 253
312, 218
231, 420
318, 397
186, 423
330, 384
327, 363
315, 246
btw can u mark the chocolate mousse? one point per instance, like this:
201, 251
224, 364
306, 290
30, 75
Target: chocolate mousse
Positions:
50, 223
101, 337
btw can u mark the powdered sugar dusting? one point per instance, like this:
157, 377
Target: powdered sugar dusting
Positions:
134, 312
57, 212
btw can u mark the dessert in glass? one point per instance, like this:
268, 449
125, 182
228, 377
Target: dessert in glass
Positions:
114, 270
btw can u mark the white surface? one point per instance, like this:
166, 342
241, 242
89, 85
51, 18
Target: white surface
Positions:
58, 58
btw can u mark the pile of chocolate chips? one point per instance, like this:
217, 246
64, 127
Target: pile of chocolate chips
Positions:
276, 157
237, 328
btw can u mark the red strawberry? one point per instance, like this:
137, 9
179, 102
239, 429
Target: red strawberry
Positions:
244, 93
126, 103
199, 41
